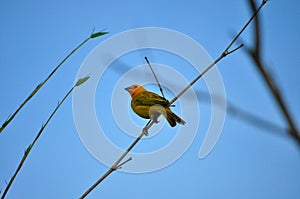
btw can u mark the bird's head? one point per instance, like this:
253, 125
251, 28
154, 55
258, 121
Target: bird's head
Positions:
134, 89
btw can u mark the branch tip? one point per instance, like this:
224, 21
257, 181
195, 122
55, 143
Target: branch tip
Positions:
121, 164
93, 30
38, 87
229, 52
82, 80
156, 79
98, 34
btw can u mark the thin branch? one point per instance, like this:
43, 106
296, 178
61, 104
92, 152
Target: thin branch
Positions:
156, 79
240, 46
246, 116
122, 163
150, 123
39, 86
224, 54
27, 151
255, 54
117, 163
255, 120
245, 26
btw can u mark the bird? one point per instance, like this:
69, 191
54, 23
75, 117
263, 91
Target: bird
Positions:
150, 105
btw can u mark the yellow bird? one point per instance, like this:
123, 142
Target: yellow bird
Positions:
149, 105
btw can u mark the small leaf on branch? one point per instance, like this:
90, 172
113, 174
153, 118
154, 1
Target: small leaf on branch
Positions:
82, 80
98, 34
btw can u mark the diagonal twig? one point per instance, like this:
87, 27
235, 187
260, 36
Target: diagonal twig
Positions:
245, 115
27, 151
224, 53
156, 79
117, 163
150, 122
39, 86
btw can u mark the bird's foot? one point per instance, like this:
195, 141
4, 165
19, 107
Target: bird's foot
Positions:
145, 131
155, 120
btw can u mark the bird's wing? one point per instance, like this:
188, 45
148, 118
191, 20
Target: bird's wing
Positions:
148, 99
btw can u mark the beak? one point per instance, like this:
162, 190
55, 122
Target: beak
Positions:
127, 89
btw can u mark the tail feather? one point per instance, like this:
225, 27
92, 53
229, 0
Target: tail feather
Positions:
172, 118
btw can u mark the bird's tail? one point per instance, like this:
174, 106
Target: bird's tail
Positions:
172, 118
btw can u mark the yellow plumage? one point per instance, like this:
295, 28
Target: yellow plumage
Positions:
149, 105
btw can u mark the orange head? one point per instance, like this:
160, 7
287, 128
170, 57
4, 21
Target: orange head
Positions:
134, 89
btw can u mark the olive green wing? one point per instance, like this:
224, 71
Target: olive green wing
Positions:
147, 98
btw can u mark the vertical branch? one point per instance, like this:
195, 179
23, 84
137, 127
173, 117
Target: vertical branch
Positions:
26, 153
39, 86
255, 54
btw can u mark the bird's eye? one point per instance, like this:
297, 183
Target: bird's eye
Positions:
135, 86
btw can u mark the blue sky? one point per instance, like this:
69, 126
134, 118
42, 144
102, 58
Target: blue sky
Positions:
247, 161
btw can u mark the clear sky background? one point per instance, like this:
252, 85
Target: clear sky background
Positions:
247, 162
